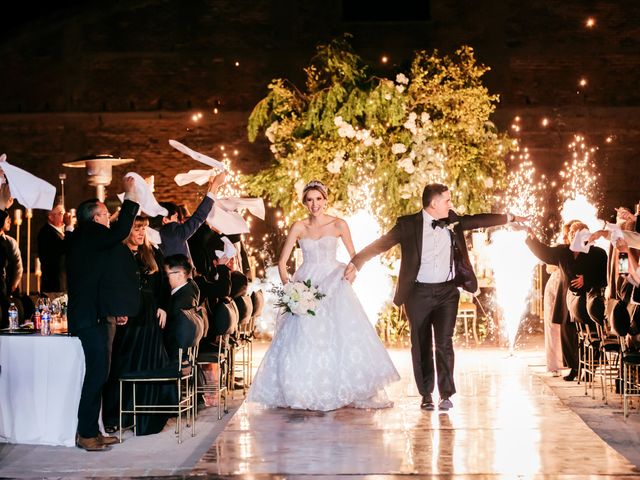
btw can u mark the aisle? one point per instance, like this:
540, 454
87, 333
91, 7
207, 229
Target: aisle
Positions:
505, 422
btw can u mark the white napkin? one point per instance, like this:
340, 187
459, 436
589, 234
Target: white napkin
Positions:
198, 156
153, 236
615, 232
225, 218
254, 205
29, 190
199, 177
580, 242
229, 250
144, 197
228, 223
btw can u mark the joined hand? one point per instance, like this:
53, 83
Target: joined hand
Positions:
350, 272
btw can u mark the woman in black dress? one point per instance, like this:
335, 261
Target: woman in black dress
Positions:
138, 345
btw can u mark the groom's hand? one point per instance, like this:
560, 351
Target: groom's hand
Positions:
350, 272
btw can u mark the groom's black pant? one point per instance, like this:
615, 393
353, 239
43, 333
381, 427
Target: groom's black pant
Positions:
432, 309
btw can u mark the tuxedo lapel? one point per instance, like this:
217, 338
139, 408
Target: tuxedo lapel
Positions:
419, 226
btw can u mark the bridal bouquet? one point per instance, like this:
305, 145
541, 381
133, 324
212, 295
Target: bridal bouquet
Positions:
300, 298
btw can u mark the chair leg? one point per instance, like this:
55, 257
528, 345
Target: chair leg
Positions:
120, 415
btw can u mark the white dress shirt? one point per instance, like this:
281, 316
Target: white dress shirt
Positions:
178, 288
435, 264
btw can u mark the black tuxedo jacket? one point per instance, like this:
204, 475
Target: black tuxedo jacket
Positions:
120, 285
51, 251
408, 233
182, 331
88, 252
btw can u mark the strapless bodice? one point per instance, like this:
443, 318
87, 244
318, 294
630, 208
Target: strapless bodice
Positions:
319, 250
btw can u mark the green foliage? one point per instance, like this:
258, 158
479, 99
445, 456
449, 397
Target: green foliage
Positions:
377, 141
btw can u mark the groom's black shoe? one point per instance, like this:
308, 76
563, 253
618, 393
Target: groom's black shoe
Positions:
571, 377
445, 404
427, 403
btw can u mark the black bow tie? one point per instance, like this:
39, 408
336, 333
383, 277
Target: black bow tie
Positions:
442, 223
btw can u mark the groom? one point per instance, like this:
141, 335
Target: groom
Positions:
435, 262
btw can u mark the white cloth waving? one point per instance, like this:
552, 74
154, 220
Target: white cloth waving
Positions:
224, 216
144, 196
29, 190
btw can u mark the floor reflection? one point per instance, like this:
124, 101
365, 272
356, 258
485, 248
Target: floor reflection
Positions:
504, 422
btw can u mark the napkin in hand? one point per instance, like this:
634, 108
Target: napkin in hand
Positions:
580, 242
144, 197
226, 220
229, 250
29, 190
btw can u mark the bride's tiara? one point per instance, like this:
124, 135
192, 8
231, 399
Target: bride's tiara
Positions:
315, 185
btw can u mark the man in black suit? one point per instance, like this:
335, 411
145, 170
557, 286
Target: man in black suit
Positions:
87, 258
51, 251
434, 263
174, 235
181, 331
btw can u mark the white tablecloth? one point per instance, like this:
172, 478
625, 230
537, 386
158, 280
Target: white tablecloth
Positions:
40, 385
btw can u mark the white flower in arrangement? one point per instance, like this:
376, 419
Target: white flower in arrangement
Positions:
338, 121
299, 187
424, 117
300, 298
346, 130
398, 148
400, 88
402, 78
407, 165
273, 148
334, 167
377, 142
388, 96
488, 182
270, 132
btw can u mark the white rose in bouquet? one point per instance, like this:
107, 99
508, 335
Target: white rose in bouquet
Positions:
300, 298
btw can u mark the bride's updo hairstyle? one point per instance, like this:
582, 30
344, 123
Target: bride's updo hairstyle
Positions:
314, 185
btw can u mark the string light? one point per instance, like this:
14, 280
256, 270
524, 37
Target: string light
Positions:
384, 59
545, 122
583, 82
591, 22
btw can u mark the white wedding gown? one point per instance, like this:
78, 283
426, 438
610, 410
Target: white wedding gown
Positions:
327, 361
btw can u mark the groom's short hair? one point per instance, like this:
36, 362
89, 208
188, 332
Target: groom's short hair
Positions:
431, 191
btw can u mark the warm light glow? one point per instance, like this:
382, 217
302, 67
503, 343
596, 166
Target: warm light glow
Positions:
384, 59
591, 22
237, 64
583, 82
545, 122
609, 139
508, 248
373, 284
215, 110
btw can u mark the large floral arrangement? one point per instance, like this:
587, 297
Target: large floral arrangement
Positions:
300, 298
377, 141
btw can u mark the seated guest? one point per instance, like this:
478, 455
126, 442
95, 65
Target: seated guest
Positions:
12, 271
138, 345
239, 281
181, 331
174, 235
51, 251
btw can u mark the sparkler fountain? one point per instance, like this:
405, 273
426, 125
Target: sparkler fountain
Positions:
512, 262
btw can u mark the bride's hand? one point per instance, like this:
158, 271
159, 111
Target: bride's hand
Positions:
350, 273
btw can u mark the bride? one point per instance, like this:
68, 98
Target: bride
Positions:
335, 358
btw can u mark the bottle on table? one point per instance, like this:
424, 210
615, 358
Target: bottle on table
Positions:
37, 320
45, 327
13, 317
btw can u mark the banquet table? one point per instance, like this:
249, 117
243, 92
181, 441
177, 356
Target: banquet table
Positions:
40, 384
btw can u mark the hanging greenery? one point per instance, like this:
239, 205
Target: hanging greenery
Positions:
377, 141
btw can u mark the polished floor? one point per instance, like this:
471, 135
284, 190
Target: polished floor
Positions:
506, 423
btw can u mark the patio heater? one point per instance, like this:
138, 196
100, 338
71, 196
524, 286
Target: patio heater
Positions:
99, 170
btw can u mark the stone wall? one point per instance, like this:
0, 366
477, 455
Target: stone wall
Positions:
124, 77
